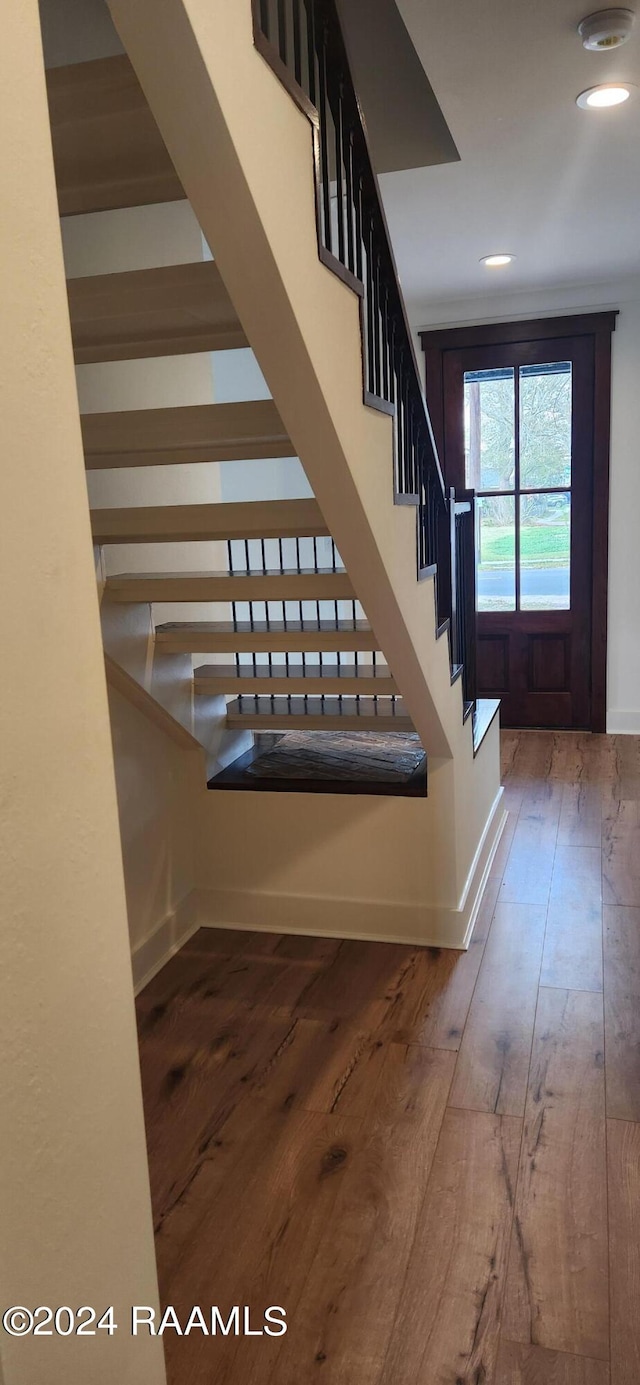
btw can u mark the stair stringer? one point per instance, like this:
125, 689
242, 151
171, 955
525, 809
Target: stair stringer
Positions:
243, 151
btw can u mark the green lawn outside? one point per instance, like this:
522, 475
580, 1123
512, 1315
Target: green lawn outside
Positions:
541, 545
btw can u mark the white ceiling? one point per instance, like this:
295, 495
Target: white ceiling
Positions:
556, 186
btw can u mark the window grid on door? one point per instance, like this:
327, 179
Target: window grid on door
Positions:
518, 460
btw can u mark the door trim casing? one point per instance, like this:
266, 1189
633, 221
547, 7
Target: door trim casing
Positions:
436, 343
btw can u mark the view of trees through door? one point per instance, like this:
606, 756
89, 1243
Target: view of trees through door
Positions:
518, 461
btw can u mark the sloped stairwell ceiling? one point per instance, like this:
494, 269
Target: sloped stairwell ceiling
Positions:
405, 124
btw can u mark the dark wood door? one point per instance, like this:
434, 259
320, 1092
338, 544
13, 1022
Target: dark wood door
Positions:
518, 429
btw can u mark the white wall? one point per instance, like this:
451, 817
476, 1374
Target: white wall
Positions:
74, 1193
237, 376
623, 664
157, 782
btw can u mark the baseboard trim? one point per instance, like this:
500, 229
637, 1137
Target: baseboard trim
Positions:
623, 723
365, 920
162, 943
482, 863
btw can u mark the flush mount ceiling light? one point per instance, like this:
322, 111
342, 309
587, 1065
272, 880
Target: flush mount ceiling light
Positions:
606, 29
497, 261
599, 98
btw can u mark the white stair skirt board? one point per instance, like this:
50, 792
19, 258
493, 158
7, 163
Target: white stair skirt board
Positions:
162, 943
368, 920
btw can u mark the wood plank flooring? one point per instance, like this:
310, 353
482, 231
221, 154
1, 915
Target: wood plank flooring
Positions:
430, 1159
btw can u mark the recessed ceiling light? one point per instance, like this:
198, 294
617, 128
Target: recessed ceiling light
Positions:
497, 261
598, 98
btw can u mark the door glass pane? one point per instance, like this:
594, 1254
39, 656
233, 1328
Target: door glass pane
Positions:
545, 425
545, 547
496, 554
489, 429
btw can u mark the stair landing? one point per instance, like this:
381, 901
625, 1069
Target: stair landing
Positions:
360, 762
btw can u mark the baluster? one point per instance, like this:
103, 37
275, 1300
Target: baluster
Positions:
346, 138
398, 429
369, 304
464, 631
399, 424
433, 535
408, 415
428, 521
324, 142
377, 367
337, 123
392, 359
454, 628
423, 467
469, 604
359, 236
432, 520
311, 48
410, 461
425, 470
282, 31
386, 385
233, 603
297, 42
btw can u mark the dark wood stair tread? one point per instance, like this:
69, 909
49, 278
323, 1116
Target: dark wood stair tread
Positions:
372, 763
485, 711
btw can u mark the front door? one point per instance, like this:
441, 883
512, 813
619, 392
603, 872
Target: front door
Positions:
518, 429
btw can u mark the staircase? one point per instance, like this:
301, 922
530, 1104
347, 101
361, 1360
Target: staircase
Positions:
296, 651
286, 584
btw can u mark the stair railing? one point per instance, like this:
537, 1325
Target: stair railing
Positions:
303, 42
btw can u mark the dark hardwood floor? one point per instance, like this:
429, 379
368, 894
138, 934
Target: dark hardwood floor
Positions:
431, 1160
